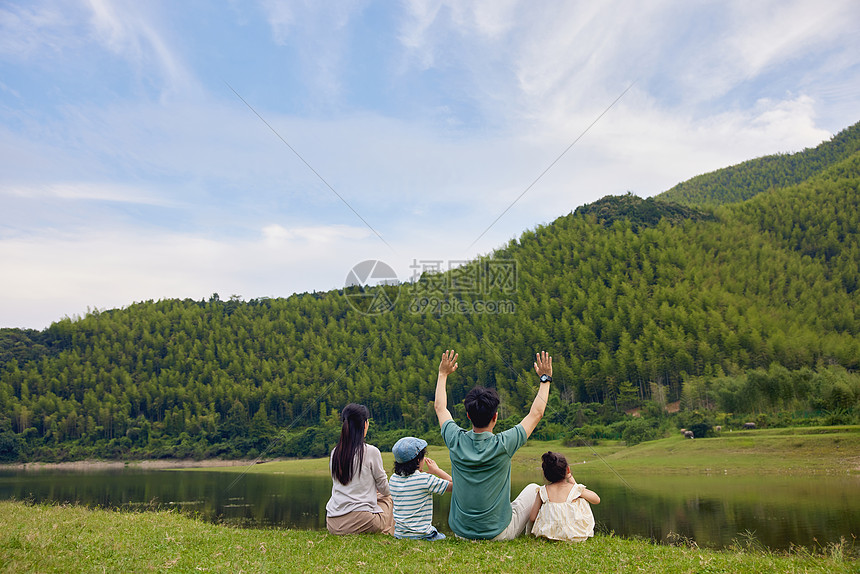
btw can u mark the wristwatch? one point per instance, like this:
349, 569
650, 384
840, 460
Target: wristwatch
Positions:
545, 379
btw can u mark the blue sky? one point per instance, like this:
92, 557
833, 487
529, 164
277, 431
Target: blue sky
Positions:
130, 170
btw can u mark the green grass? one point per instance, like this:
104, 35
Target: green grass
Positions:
43, 538
808, 450
816, 450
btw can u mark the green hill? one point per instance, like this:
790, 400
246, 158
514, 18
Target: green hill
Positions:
639, 212
748, 179
751, 309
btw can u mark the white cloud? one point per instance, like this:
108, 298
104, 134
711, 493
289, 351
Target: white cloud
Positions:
128, 30
28, 30
663, 149
765, 33
570, 59
56, 274
279, 236
399, 175
415, 29
279, 13
7, 89
111, 29
323, 40
495, 18
489, 19
51, 32
92, 191
194, 194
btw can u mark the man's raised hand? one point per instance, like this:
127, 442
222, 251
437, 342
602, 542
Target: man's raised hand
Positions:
449, 363
543, 364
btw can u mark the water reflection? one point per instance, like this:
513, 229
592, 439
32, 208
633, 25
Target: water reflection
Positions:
712, 511
715, 511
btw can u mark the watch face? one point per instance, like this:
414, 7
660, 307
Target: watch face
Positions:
544, 378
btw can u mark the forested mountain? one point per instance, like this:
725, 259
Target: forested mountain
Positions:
745, 180
751, 310
639, 212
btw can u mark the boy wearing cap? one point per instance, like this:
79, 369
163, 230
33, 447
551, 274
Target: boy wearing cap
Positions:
411, 489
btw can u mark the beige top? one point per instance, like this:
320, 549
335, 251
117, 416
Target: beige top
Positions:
568, 520
360, 493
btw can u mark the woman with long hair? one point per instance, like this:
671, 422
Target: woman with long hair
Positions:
360, 501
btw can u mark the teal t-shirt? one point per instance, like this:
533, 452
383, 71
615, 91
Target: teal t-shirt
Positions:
481, 469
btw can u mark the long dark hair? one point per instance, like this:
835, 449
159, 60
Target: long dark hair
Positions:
351, 443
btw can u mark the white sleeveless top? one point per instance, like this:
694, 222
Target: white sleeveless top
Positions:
569, 520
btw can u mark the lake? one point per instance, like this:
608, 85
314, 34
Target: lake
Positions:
710, 510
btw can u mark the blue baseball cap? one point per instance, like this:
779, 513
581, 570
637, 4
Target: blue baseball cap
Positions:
407, 448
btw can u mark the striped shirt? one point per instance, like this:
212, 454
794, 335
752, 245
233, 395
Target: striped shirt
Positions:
413, 506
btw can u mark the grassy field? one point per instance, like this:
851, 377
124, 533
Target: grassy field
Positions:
73, 539
812, 450
44, 538
662, 467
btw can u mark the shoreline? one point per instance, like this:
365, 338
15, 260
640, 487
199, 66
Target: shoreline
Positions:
93, 465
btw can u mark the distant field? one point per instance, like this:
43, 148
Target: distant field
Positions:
807, 450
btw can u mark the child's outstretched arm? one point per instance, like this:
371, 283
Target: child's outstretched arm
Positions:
590, 496
587, 495
434, 469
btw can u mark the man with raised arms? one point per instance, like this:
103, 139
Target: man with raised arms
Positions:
481, 506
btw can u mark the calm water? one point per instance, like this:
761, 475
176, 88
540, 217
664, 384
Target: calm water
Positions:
710, 510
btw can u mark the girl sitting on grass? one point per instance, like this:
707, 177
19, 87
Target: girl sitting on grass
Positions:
561, 510
360, 500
